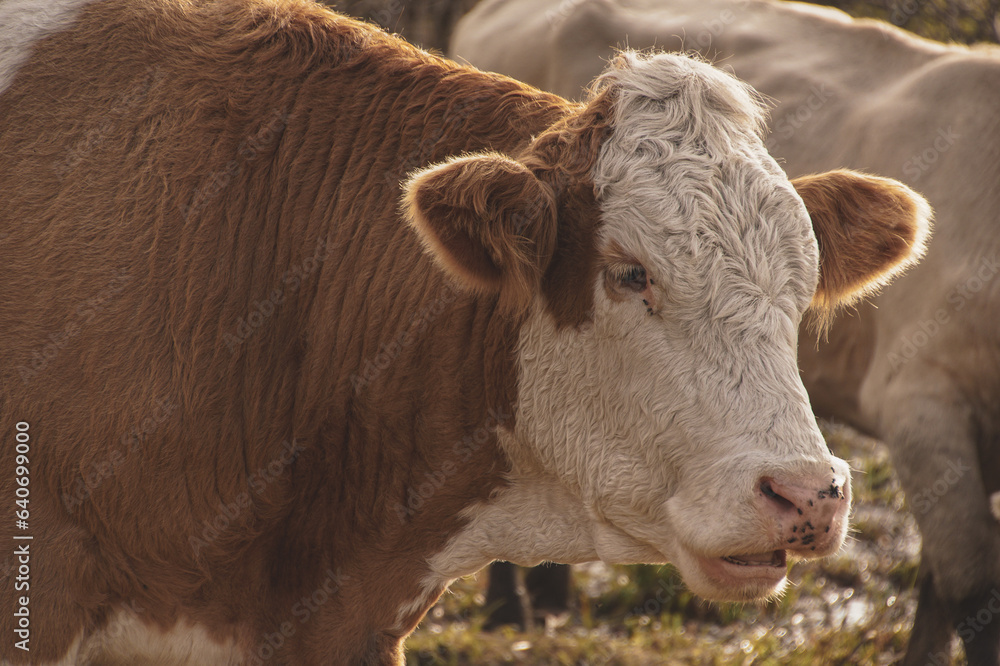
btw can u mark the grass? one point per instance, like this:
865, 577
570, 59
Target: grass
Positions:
855, 607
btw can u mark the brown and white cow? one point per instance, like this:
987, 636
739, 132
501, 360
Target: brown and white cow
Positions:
299, 323
920, 365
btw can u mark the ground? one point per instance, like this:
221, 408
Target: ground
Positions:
855, 607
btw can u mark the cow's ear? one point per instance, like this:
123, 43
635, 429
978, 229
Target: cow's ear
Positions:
869, 229
487, 221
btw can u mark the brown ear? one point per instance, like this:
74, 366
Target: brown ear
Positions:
869, 230
487, 221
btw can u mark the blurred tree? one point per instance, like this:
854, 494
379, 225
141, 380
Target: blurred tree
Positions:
965, 21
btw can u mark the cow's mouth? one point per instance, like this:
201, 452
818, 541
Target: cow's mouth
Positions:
743, 576
774, 558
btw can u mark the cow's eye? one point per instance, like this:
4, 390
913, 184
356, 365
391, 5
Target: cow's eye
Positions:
632, 277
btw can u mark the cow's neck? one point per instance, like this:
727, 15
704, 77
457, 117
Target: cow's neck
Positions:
403, 380
399, 468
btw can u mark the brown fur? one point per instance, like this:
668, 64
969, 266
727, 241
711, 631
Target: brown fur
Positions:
489, 201
488, 221
868, 229
203, 161
563, 157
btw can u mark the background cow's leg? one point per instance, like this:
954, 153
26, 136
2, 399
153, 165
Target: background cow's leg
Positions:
934, 448
506, 604
545, 591
548, 588
978, 621
932, 631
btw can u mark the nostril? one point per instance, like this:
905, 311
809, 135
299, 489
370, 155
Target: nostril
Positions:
768, 490
835, 491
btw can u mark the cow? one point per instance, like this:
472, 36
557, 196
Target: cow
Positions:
918, 366
299, 323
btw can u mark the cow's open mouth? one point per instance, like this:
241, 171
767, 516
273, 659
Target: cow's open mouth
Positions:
774, 558
744, 576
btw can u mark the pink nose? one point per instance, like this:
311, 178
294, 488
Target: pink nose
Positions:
809, 511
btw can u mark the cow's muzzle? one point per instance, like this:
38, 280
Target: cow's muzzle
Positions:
808, 512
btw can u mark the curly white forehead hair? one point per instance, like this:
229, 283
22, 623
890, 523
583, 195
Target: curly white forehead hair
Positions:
686, 187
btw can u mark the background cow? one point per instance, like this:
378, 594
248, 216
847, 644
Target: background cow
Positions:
299, 323
426, 24
918, 366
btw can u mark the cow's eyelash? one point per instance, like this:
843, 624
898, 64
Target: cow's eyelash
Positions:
629, 276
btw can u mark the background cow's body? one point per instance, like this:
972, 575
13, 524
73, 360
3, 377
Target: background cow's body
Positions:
276, 402
920, 365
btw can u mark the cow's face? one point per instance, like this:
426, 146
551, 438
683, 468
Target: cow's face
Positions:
666, 400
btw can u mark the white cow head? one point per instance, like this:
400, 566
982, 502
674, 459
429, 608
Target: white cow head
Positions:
670, 409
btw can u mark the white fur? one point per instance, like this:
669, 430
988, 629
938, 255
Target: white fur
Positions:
659, 427
127, 639
24, 22
534, 520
